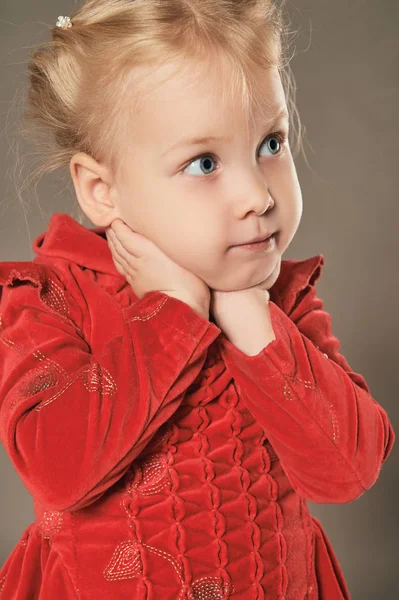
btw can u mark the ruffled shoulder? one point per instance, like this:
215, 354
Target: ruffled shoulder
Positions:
295, 276
22, 271
51, 292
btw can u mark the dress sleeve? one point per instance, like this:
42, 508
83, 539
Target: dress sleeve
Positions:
330, 434
72, 421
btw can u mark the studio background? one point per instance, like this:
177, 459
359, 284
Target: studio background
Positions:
346, 70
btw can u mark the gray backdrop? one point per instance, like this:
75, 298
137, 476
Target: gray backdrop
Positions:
346, 67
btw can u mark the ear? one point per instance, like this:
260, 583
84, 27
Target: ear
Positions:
94, 189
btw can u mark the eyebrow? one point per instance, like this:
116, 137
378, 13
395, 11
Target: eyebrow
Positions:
202, 141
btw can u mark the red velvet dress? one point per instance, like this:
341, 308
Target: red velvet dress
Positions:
164, 463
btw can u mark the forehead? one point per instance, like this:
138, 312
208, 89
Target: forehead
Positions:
190, 89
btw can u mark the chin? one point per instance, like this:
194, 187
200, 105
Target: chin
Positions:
274, 275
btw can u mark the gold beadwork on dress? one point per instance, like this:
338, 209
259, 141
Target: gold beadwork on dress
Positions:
39, 380
209, 588
50, 523
2, 583
289, 395
97, 379
52, 295
47, 375
151, 475
151, 315
125, 562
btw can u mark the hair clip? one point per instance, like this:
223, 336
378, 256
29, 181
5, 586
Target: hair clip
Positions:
64, 22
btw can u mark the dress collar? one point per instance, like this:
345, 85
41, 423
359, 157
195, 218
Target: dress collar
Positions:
68, 239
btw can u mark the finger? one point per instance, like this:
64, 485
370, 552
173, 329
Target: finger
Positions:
118, 256
119, 259
117, 263
118, 267
130, 240
118, 245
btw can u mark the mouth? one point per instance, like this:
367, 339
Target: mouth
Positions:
266, 244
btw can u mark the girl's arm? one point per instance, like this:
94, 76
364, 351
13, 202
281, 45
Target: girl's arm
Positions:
331, 436
73, 421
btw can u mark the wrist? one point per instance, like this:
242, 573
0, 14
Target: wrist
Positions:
201, 307
202, 312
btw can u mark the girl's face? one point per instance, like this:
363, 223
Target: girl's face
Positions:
196, 202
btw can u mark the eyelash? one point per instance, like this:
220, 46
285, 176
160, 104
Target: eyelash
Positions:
280, 135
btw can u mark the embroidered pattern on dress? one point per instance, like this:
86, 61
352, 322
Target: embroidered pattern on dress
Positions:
289, 395
97, 379
52, 295
49, 374
93, 379
39, 380
58, 394
42, 379
152, 475
209, 588
20, 349
151, 315
2, 583
50, 523
126, 564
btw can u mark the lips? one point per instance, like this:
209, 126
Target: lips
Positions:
260, 238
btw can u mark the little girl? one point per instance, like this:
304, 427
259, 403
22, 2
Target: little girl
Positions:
171, 392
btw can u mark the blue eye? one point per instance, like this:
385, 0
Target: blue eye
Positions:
206, 160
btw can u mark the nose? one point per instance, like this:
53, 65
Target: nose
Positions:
269, 205
259, 203
254, 197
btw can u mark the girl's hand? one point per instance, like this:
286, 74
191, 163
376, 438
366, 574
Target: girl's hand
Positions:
147, 268
226, 306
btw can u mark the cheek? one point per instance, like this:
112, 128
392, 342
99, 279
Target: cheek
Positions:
200, 241
200, 257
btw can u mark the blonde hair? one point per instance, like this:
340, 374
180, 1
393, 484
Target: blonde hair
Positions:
78, 81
